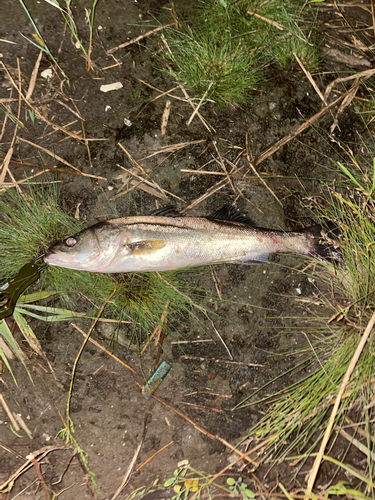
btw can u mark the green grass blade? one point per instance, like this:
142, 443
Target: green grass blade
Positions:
6, 362
57, 314
28, 333
34, 297
351, 176
6, 333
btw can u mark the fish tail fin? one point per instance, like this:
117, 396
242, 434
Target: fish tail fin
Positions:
325, 242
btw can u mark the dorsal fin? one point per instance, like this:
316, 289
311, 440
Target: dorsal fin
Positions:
169, 211
231, 213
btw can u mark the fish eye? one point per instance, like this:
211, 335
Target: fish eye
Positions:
70, 242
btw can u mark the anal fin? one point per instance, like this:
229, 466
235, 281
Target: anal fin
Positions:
260, 259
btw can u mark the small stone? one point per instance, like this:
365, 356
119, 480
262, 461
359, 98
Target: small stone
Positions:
47, 74
111, 86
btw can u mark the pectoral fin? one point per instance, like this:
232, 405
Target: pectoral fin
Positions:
145, 247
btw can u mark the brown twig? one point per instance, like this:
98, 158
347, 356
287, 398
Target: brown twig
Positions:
34, 76
44, 167
158, 328
311, 79
40, 476
105, 350
10, 99
221, 163
213, 360
174, 147
167, 92
39, 454
213, 189
265, 19
153, 456
22, 424
54, 155
160, 349
9, 413
253, 450
200, 407
13, 452
158, 193
190, 341
197, 426
256, 173
135, 40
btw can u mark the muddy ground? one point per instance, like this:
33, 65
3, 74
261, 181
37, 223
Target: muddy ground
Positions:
107, 406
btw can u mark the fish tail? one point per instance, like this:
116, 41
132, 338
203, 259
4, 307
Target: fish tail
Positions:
325, 242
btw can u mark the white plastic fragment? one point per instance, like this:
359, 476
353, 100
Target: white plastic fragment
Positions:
111, 86
127, 122
298, 290
47, 74
107, 108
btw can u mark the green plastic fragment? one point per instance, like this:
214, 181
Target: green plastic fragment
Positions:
156, 379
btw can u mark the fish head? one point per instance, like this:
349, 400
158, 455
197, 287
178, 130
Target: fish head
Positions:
90, 250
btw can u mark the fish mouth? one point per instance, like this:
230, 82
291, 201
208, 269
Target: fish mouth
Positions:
60, 259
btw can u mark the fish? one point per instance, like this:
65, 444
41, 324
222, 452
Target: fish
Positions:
164, 240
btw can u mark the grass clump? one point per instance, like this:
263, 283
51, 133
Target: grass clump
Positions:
213, 65
221, 53
296, 420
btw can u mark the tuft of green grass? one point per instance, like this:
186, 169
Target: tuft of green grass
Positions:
221, 53
214, 65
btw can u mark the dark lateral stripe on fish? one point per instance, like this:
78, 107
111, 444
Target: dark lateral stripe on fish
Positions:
146, 225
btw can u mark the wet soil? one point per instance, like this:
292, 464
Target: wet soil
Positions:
255, 320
